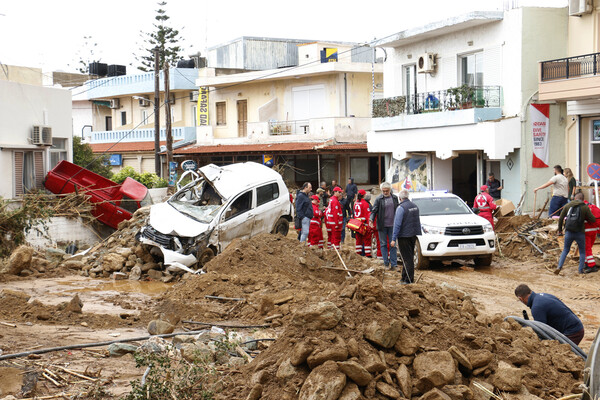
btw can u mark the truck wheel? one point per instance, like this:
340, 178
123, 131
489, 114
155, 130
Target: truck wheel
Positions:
282, 226
484, 261
420, 261
206, 255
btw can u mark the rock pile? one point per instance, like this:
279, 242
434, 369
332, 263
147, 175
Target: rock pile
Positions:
531, 232
406, 342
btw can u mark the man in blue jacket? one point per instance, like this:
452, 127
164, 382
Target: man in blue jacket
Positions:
304, 210
407, 226
550, 310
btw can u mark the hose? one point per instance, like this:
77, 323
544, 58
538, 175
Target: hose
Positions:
546, 332
592, 382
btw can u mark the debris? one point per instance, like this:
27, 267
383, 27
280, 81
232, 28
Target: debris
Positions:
120, 349
224, 298
158, 327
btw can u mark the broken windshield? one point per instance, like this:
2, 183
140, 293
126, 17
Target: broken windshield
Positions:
203, 214
199, 201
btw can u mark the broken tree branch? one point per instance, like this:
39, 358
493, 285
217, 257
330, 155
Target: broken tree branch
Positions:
342, 260
224, 325
224, 298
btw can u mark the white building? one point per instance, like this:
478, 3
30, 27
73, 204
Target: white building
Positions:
457, 98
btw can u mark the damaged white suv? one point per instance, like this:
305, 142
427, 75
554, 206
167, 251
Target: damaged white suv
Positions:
221, 204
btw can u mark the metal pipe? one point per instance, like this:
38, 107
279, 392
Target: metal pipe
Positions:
345, 96
157, 168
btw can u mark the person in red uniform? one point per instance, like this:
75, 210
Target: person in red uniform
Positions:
361, 211
485, 203
334, 219
315, 232
591, 230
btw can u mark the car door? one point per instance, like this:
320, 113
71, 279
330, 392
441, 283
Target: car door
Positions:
268, 208
237, 219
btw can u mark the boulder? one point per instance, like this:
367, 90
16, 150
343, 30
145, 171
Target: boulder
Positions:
406, 344
384, 335
183, 339
434, 369
321, 355
325, 382
158, 327
369, 286
372, 362
351, 392
404, 380
155, 274
460, 357
324, 315
120, 349
119, 276
75, 305
73, 264
194, 352
112, 262
458, 392
286, 370
136, 273
15, 293
255, 392
507, 378
300, 352
480, 358
356, 372
149, 265
124, 252
19, 260
435, 394
387, 390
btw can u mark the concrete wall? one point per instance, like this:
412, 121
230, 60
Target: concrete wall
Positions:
29, 76
584, 33
62, 231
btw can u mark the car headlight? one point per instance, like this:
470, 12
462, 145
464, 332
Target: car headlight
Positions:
433, 230
488, 228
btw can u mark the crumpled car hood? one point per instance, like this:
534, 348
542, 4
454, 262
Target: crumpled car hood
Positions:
166, 219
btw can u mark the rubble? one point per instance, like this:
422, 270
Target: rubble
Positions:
521, 237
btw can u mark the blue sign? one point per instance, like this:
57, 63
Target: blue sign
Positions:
116, 159
189, 165
172, 173
593, 171
269, 161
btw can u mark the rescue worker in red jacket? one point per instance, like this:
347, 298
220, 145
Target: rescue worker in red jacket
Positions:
591, 230
485, 203
315, 232
361, 212
334, 219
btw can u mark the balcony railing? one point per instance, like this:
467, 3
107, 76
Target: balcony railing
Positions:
299, 127
458, 98
141, 135
571, 67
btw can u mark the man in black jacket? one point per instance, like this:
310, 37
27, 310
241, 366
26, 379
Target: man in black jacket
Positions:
384, 209
407, 226
304, 210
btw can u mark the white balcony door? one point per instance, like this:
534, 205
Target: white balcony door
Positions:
309, 102
409, 84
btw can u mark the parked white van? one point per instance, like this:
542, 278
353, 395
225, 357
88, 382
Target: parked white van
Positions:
221, 204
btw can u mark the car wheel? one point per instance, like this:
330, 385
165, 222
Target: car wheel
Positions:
206, 255
282, 226
420, 261
484, 261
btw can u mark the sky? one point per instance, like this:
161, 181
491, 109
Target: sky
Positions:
49, 34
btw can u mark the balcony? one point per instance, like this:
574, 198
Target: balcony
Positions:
455, 106
300, 127
571, 78
141, 135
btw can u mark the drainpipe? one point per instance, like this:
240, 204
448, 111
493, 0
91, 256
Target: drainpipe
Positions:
83, 127
578, 148
345, 96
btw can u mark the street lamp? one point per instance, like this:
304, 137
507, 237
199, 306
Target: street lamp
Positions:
157, 168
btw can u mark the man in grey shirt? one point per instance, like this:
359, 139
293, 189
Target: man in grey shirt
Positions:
384, 210
560, 195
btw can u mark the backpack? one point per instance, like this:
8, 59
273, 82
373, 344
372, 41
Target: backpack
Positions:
573, 219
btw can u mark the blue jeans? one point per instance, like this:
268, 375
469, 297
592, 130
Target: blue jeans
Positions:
384, 236
305, 228
344, 229
571, 237
556, 202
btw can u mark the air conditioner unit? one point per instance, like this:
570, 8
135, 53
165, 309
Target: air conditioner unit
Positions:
41, 135
115, 103
426, 63
145, 102
194, 96
579, 7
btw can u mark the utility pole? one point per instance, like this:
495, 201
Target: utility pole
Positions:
157, 168
168, 121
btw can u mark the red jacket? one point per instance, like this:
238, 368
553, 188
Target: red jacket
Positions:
589, 227
317, 216
361, 211
485, 203
333, 214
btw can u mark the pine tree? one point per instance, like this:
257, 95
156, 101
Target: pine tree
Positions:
88, 53
165, 38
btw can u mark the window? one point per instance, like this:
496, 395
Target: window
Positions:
266, 193
359, 170
58, 151
29, 172
108, 123
240, 205
129, 204
123, 117
145, 117
471, 69
221, 113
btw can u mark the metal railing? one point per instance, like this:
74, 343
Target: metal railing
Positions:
458, 98
299, 127
571, 67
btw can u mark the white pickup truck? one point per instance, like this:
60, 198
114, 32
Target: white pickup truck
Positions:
451, 230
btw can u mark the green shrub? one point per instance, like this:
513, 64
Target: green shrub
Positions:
148, 179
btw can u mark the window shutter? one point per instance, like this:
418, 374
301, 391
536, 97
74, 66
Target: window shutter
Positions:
492, 66
18, 167
39, 170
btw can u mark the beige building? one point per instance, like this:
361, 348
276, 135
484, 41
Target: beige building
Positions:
574, 81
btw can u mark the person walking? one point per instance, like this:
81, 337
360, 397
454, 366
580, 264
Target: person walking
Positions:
494, 186
485, 204
551, 311
384, 210
407, 226
560, 191
572, 183
304, 210
315, 232
334, 219
362, 212
574, 214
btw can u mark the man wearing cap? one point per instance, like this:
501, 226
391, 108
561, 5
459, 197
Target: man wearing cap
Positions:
315, 233
485, 204
361, 212
334, 219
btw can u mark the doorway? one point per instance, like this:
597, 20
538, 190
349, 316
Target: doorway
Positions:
242, 111
464, 177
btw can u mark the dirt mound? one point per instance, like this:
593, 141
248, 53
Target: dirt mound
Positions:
273, 274
521, 237
506, 224
403, 342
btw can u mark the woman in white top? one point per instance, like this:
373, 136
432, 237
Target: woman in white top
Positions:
560, 191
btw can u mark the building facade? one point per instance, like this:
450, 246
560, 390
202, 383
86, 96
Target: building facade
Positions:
457, 97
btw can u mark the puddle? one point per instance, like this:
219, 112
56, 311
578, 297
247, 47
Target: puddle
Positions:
150, 288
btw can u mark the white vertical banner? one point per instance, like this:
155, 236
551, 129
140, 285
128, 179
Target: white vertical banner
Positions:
540, 121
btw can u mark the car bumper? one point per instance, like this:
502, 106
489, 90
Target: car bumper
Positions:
171, 257
444, 246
